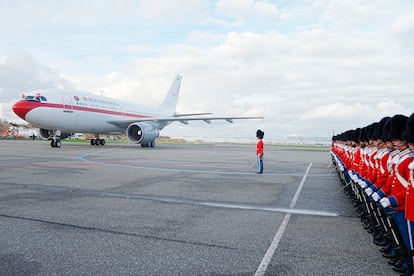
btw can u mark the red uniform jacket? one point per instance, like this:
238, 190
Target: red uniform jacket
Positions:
259, 148
356, 161
382, 171
386, 188
400, 181
373, 166
409, 199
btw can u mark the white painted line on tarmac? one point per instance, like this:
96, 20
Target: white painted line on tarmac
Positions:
86, 158
180, 200
261, 270
266, 208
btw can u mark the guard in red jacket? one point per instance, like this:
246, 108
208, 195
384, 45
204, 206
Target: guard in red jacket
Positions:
259, 150
395, 195
409, 199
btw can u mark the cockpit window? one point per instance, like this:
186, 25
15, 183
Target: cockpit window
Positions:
36, 98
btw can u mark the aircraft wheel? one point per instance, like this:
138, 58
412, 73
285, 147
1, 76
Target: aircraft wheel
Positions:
152, 144
55, 144
92, 142
102, 142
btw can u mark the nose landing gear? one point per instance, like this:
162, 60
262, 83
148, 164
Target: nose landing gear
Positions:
55, 143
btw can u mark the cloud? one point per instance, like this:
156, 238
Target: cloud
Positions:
244, 9
22, 73
248, 15
403, 30
355, 14
334, 111
234, 9
178, 11
137, 49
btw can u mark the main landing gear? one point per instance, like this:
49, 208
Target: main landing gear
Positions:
97, 142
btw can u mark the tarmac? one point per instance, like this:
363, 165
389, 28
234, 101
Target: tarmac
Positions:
180, 209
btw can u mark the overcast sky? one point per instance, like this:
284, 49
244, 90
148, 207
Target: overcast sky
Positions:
310, 67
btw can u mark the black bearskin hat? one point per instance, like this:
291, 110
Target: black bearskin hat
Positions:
386, 131
409, 134
362, 134
398, 126
349, 135
259, 134
378, 134
355, 135
372, 127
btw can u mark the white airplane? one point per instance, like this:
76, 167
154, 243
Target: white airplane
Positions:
59, 112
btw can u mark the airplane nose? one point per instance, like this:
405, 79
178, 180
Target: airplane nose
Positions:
21, 108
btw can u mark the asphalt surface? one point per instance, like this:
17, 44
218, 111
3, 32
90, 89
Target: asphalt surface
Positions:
176, 210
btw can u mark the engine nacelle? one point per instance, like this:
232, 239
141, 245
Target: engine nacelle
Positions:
48, 134
142, 133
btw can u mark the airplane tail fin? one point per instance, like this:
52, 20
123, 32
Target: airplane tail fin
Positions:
170, 101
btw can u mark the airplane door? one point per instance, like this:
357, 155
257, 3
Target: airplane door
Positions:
67, 103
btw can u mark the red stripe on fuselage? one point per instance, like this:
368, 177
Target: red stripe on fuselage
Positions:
104, 111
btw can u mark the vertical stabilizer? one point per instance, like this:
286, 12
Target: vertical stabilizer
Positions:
170, 101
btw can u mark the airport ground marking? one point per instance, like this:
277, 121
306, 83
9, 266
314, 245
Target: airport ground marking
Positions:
177, 200
261, 270
85, 158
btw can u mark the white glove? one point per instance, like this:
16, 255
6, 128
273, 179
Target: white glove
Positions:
362, 183
369, 191
385, 202
351, 175
354, 178
376, 197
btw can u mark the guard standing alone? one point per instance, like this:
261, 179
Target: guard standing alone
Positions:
259, 151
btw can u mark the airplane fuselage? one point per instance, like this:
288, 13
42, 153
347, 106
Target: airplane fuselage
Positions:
77, 111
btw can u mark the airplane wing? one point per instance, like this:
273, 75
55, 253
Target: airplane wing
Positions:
179, 118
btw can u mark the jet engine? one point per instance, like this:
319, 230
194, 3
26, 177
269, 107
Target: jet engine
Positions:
48, 134
142, 133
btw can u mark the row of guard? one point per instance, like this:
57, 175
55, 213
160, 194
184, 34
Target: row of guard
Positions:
375, 164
